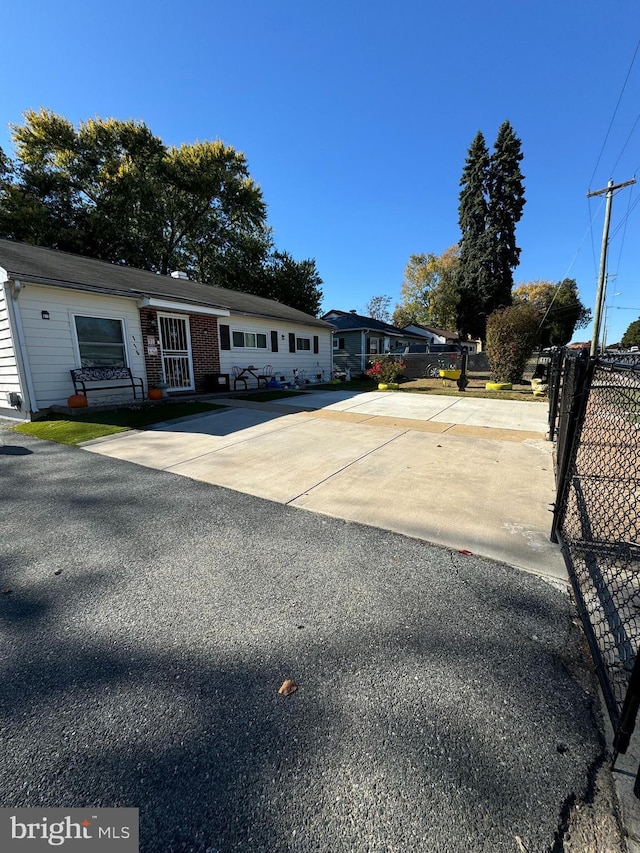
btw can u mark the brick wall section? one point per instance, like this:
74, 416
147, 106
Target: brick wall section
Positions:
204, 346
153, 363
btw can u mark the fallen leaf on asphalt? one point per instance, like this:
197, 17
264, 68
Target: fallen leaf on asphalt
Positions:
5, 591
58, 572
521, 846
287, 687
465, 552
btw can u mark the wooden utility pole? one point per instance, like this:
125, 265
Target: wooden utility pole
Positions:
600, 297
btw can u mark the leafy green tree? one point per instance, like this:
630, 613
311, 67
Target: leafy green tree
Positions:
429, 292
491, 204
294, 283
112, 190
378, 308
562, 311
240, 266
402, 316
631, 337
511, 337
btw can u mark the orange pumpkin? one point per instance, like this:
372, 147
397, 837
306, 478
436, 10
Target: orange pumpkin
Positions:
154, 394
77, 401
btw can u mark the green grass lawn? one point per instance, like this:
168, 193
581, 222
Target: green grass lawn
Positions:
89, 425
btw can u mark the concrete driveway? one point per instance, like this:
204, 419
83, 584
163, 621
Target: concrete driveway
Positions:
470, 474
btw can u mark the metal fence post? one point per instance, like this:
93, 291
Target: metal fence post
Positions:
462, 381
555, 373
574, 413
627, 723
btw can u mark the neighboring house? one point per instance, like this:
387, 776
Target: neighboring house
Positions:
60, 311
358, 338
442, 336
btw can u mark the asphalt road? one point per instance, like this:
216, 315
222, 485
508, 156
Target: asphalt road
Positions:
152, 618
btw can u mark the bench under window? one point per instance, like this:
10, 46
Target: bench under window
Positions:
104, 378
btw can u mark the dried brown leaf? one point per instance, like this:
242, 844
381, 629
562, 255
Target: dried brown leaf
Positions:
287, 687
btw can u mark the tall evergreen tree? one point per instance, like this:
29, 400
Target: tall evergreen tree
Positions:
474, 278
506, 202
491, 204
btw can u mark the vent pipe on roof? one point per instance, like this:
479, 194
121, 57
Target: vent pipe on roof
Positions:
179, 274
353, 311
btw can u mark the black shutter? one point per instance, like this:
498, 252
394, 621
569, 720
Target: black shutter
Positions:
315, 344
225, 337
274, 342
341, 343
292, 342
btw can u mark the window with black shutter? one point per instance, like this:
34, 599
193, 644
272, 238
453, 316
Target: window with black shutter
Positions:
292, 342
316, 347
274, 342
225, 337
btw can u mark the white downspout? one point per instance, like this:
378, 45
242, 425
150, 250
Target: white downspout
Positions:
22, 358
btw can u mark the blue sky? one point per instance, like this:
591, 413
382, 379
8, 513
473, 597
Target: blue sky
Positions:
356, 117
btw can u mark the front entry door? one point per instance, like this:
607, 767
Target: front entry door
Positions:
175, 348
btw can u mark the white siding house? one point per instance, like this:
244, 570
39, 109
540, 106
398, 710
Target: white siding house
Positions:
289, 348
60, 311
11, 388
52, 343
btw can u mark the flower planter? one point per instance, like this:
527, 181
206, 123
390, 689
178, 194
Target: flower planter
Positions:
388, 386
450, 374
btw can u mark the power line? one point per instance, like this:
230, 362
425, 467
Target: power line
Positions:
590, 232
624, 86
626, 143
609, 190
625, 219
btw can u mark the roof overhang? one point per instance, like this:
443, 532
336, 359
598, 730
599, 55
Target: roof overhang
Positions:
182, 307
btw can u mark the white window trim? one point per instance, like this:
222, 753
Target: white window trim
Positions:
99, 315
266, 348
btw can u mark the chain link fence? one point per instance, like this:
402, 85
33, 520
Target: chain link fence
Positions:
595, 410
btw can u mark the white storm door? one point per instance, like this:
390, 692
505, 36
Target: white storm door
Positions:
175, 349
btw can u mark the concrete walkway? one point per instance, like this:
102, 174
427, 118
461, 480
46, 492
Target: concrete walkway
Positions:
470, 474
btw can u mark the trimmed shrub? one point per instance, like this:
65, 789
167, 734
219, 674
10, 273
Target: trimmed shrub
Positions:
511, 337
386, 369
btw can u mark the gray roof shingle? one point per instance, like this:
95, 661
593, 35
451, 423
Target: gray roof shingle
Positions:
348, 321
63, 269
